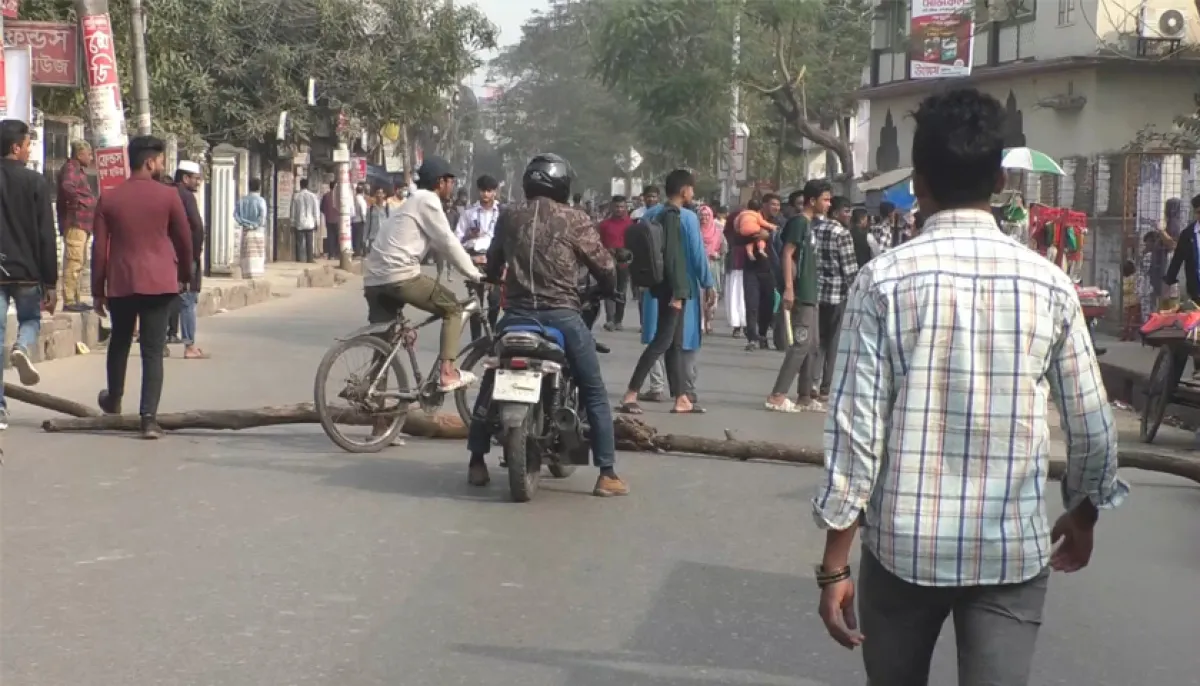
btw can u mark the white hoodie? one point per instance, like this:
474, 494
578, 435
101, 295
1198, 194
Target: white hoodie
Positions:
407, 235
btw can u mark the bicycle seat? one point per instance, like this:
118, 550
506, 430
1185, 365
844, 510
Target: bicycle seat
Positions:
545, 331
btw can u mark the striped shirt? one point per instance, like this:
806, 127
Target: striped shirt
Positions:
952, 347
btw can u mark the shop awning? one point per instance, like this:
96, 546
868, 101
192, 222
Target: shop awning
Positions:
886, 180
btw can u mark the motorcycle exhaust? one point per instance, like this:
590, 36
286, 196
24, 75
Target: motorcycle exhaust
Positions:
569, 429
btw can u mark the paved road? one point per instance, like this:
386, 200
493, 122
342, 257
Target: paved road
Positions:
267, 558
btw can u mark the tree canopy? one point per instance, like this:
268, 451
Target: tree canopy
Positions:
225, 69
674, 59
548, 101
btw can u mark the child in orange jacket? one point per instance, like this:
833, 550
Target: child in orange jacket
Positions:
751, 223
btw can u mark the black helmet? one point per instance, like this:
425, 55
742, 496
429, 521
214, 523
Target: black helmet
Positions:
548, 176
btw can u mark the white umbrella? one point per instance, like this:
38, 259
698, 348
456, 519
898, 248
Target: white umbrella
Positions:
1030, 160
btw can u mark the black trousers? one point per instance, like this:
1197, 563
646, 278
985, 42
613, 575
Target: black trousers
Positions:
759, 287
614, 312
333, 235
356, 237
667, 344
304, 245
149, 314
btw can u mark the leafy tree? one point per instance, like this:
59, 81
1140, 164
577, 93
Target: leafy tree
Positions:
225, 69
674, 58
549, 102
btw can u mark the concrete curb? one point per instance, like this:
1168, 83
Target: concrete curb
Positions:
62, 333
1129, 387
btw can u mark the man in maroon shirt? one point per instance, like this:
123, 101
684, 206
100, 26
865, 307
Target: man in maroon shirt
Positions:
612, 235
76, 204
141, 258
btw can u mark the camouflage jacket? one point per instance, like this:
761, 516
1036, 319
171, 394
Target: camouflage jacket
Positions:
543, 245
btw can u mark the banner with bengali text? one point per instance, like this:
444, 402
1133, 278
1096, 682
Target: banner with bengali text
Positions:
55, 49
942, 35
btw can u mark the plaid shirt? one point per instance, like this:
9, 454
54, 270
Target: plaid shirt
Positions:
837, 264
882, 232
952, 347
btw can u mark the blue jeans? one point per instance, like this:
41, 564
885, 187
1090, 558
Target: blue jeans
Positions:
585, 371
28, 302
187, 317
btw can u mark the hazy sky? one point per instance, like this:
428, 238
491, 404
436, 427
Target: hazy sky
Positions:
508, 15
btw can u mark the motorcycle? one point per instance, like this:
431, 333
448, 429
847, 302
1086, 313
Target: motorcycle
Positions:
535, 410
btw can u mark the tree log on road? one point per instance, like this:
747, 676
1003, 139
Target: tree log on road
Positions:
415, 424
632, 434
49, 402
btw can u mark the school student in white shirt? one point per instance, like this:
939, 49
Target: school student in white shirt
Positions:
476, 229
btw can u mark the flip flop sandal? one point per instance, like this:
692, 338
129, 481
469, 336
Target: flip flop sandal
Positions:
629, 408
464, 379
696, 409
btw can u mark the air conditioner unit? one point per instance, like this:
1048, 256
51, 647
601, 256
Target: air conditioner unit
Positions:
1166, 24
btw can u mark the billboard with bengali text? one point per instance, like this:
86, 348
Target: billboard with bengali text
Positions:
942, 38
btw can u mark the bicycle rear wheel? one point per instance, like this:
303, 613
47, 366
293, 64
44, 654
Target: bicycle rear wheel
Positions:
360, 412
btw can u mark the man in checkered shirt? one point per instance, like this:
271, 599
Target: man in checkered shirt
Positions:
936, 442
883, 232
837, 265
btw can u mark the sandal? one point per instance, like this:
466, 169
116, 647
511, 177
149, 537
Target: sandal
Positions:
695, 409
786, 407
464, 379
195, 354
629, 408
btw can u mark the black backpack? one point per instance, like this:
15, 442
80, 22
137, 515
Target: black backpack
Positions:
646, 243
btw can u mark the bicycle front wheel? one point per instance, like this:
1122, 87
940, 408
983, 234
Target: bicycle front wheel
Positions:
464, 398
359, 399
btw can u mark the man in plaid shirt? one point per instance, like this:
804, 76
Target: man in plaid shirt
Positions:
837, 265
883, 231
936, 441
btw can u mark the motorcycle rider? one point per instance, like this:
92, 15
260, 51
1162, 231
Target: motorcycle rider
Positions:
544, 243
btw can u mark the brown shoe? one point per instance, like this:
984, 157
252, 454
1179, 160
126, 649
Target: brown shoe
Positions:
477, 474
609, 486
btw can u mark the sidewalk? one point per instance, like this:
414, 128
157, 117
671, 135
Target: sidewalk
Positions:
63, 332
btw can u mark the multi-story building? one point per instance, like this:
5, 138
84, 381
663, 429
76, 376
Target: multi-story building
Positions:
1097, 84
1079, 77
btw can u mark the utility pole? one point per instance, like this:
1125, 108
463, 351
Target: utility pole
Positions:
141, 74
729, 188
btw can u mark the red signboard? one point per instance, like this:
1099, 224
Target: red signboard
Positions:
54, 47
10, 8
111, 167
99, 52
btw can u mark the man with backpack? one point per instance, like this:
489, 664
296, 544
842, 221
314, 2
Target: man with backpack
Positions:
659, 264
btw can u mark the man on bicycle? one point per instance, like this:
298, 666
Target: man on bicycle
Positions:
392, 275
544, 242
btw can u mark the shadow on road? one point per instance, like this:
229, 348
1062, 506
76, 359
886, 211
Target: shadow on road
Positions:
709, 624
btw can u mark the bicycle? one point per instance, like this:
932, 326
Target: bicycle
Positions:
368, 395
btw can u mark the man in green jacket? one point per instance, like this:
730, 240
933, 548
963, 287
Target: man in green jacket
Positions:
671, 294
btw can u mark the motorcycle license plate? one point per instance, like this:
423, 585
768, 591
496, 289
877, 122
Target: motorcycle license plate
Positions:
517, 387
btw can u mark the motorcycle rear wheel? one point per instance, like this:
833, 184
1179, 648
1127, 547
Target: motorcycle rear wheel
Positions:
523, 457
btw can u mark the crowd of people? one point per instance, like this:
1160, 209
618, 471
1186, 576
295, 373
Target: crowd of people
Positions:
147, 235
936, 435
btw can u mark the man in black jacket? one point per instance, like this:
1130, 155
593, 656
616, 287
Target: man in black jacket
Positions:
28, 250
188, 177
